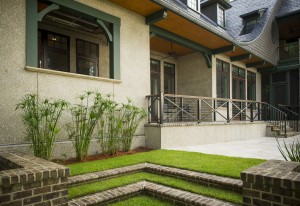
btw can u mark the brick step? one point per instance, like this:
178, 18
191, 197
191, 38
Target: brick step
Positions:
201, 178
179, 197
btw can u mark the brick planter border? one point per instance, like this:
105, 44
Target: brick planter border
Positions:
27, 180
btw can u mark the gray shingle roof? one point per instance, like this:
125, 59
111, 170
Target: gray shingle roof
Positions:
289, 7
240, 7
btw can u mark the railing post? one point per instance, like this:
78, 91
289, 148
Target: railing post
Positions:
199, 110
241, 113
285, 121
251, 112
161, 109
258, 110
215, 106
228, 113
149, 108
181, 106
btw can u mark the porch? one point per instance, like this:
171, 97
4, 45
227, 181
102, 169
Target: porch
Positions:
181, 120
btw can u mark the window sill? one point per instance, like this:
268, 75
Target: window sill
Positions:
67, 74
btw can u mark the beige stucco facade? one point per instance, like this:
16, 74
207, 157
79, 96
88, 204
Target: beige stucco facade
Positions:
16, 81
192, 76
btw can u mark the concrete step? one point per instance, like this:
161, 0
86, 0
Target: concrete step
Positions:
179, 197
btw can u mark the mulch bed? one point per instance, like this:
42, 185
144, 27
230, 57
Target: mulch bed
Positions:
101, 156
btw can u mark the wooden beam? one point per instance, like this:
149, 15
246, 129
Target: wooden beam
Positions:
226, 49
256, 64
279, 69
50, 8
164, 34
157, 16
107, 33
207, 59
241, 57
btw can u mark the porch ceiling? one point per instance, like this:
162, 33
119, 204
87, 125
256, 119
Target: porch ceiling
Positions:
181, 26
164, 46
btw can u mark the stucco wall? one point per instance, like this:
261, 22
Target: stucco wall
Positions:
15, 81
193, 76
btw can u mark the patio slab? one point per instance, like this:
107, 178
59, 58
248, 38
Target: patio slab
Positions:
261, 148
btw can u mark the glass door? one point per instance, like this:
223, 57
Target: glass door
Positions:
155, 88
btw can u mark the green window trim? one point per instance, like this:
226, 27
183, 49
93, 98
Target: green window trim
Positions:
32, 18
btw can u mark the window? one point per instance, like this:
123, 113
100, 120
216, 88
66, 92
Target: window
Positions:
238, 83
249, 25
222, 79
87, 55
53, 51
169, 78
155, 76
221, 16
194, 4
251, 85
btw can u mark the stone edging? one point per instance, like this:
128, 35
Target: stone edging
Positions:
202, 178
160, 191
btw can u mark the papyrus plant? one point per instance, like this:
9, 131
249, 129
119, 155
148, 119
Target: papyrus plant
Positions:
41, 118
85, 117
131, 117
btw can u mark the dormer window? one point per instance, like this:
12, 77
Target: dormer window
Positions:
251, 19
194, 4
221, 16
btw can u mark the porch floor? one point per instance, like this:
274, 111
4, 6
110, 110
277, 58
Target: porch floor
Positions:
261, 148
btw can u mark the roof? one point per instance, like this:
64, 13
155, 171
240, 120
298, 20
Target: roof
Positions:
241, 8
289, 7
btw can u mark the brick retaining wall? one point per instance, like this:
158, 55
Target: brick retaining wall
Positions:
27, 180
273, 183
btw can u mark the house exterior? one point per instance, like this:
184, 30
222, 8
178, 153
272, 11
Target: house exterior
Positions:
216, 60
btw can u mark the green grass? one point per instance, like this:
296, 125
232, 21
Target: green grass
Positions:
212, 164
142, 200
164, 180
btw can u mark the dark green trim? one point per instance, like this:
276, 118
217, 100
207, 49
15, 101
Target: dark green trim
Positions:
255, 64
241, 57
279, 69
164, 34
31, 33
115, 66
156, 17
50, 8
264, 70
107, 33
207, 59
88, 10
222, 50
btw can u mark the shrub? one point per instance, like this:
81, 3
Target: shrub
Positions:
131, 116
291, 152
85, 117
41, 119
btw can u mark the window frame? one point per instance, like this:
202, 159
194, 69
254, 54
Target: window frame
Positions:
223, 23
251, 84
221, 74
239, 78
174, 83
197, 4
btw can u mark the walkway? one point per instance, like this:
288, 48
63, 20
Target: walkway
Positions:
262, 148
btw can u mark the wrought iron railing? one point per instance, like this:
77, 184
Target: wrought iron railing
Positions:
169, 108
289, 51
292, 115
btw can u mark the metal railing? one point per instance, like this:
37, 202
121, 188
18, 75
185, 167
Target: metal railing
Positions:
292, 115
169, 108
289, 51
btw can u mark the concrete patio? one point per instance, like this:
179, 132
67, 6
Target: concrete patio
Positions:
261, 148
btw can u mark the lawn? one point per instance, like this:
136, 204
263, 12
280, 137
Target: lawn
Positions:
164, 180
142, 201
211, 164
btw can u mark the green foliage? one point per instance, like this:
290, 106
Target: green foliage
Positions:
41, 119
118, 126
291, 152
143, 200
131, 116
211, 164
156, 178
85, 117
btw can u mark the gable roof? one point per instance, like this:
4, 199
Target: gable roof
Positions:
289, 7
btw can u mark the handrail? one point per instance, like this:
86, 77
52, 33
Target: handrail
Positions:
292, 117
168, 108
